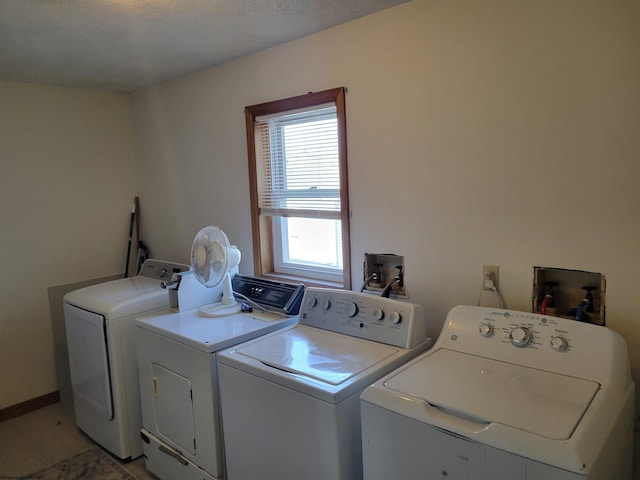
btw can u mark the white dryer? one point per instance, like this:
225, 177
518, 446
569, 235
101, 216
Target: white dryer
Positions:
505, 395
102, 356
177, 352
290, 400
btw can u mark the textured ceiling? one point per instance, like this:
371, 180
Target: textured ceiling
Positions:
123, 45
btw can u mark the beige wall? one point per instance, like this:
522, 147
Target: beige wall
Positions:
66, 190
478, 132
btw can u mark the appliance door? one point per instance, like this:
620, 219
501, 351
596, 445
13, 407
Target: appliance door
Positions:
89, 360
174, 407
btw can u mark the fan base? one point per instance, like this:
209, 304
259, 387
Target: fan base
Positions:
219, 309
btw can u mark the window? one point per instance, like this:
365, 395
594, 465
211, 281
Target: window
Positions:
298, 180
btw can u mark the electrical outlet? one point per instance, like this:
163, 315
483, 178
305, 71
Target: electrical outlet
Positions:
490, 272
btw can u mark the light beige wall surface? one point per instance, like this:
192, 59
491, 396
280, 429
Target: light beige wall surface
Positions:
66, 191
478, 132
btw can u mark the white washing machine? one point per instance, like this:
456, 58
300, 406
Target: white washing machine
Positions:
505, 395
99, 321
290, 400
177, 351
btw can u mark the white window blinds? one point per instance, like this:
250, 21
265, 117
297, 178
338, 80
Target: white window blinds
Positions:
297, 160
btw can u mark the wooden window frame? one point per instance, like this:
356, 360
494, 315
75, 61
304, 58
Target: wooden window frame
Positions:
261, 228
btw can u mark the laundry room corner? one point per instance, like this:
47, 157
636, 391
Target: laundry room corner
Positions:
66, 192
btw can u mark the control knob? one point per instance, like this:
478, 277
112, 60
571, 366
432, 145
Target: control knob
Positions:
351, 309
521, 337
313, 301
559, 343
395, 318
326, 304
378, 314
486, 329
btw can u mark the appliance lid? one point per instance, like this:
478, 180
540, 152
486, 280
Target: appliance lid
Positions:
123, 294
536, 401
209, 334
319, 354
116, 291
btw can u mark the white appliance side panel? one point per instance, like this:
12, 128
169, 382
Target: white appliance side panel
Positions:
397, 447
273, 432
174, 407
490, 391
326, 356
88, 360
124, 372
117, 433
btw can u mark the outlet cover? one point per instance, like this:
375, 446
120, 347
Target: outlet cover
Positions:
493, 272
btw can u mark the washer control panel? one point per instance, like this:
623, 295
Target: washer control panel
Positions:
525, 330
363, 315
553, 344
160, 270
279, 296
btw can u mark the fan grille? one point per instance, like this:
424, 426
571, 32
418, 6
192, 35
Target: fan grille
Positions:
209, 259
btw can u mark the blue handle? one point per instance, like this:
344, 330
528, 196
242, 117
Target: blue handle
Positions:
580, 310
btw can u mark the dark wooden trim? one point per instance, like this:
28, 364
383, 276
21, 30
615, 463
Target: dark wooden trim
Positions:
253, 192
301, 101
344, 188
260, 228
29, 406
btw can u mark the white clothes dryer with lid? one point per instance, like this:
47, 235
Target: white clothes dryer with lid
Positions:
99, 322
505, 395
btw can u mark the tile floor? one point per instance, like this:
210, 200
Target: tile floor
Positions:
44, 437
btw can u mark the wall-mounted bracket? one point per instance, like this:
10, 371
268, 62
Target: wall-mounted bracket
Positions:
382, 268
570, 288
